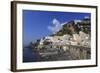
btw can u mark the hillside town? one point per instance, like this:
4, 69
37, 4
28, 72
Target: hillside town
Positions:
71, 42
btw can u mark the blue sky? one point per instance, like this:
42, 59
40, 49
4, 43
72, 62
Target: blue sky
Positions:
35, 23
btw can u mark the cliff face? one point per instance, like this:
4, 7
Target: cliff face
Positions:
74, 27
